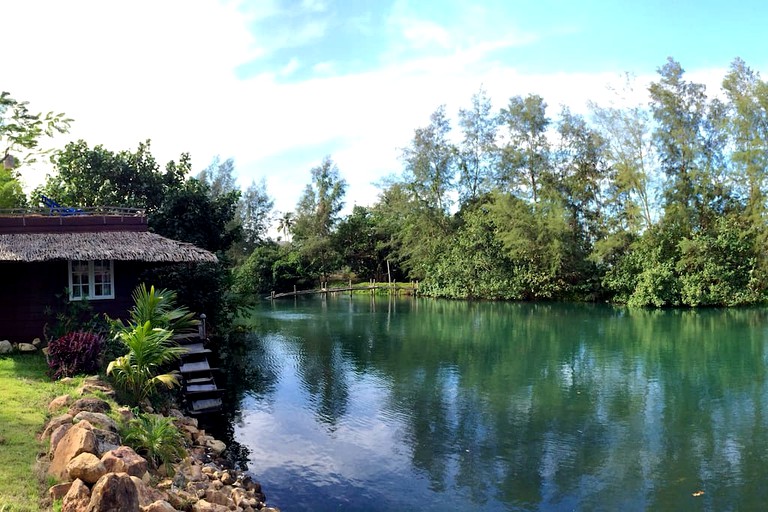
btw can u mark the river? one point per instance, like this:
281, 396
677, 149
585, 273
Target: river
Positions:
371, 404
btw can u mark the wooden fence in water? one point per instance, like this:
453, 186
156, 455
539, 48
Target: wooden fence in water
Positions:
393, 288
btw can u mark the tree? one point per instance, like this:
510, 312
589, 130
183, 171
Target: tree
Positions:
680, 110
22, 130
220, 176
319, 206
629, 152
316, 217
414, 234
88, 177
477, 152
581, 176
361, 244
254, 215
11, 193
525, 162
748, 128
285, 224
430, 162
190, 213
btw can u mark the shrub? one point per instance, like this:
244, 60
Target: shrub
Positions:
155, 438
137, 373
74, 353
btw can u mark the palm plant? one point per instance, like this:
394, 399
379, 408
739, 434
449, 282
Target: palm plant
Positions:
285, 224
158, 307
155, 438
149, 350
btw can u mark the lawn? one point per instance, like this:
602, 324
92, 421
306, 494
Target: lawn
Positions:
25, 391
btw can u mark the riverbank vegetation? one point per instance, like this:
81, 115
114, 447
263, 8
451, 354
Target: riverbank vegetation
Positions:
657, 202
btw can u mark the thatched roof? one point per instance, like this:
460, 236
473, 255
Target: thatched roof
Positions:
105, 245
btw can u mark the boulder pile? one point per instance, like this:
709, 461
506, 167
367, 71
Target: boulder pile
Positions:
99, 474
6, 347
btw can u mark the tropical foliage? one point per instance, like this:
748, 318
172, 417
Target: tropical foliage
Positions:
158, 307
156, 438
74, 353
138, 373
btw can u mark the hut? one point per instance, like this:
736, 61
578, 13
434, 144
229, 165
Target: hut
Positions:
51, 256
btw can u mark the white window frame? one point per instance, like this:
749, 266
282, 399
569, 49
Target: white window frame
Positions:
91, 295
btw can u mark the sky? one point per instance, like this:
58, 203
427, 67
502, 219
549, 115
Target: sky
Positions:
277, 85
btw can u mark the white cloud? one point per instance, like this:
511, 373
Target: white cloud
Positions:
424, 33
290, 68
167, 71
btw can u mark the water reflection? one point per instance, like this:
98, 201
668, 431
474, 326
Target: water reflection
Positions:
370, 404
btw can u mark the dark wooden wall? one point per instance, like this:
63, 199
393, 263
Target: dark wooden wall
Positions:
28, 296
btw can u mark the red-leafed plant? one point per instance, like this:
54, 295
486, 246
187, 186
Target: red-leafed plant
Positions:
74, 353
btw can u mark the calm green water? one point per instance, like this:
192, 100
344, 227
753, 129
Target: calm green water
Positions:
351, 404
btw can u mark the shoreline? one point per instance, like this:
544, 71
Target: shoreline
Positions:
86, 453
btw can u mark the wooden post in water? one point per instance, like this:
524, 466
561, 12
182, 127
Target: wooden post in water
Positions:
294, 289
273, 295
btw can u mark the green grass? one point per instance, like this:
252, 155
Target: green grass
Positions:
25, 391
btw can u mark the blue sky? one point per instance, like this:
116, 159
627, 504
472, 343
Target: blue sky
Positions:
279, 84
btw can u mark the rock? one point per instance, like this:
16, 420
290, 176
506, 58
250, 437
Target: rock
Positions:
106, 440
90, 404
5, 347
192, 473
227, 478
249, 483
96, 419
165, 483
74, 442
57, 435
87, 467
189, 432
185, 420
159, 506
77, 498
219, 498
55, 423
37, 342
176, 414
148, 495
93, 385
125, 460
26, 347
181, 500
216, 446
114, 492
206, 506
126, 414
84, 424
59, 402
58, 491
